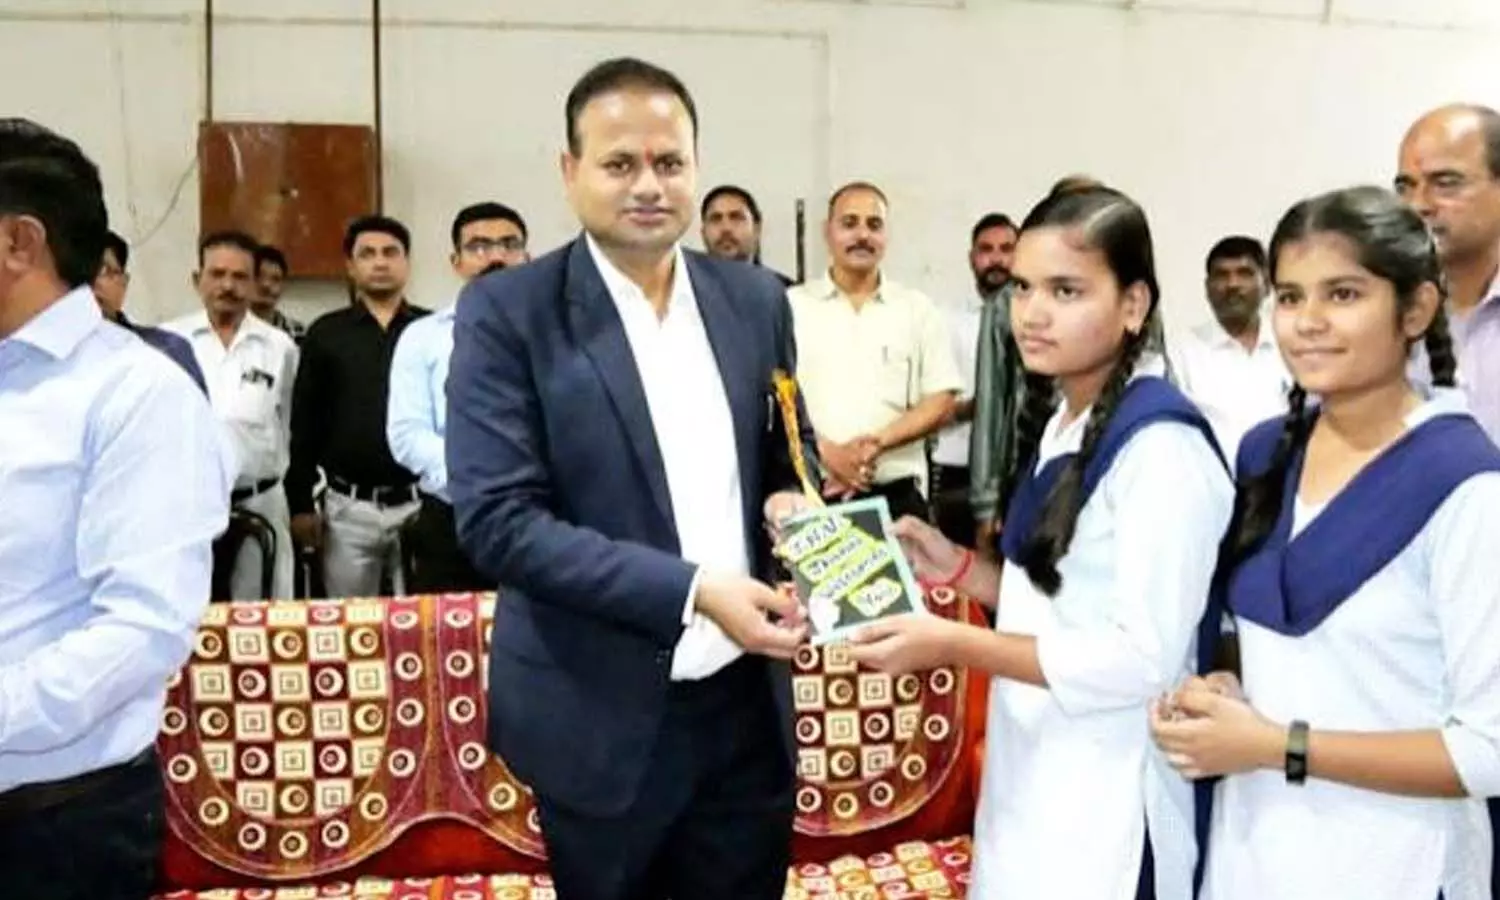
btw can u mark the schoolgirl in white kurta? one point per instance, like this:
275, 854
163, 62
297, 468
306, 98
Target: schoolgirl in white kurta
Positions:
1109, 549
1360, 750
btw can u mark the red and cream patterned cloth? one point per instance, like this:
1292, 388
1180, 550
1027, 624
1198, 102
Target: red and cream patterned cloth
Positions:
303, 737
914, 870
467, 887
873, 748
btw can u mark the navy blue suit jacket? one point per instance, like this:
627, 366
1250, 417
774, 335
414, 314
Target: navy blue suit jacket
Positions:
561, 497
175, 347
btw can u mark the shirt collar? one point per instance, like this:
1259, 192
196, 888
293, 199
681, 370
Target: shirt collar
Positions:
827, 289
62, 326
622, 290
1265, 338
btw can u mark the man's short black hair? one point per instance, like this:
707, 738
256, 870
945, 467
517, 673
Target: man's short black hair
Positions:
485, 212
730, 190
376, 224
229, 238
270, 254
851, 187
116, 245
988, 221
1237, 246
614, 75
46, 176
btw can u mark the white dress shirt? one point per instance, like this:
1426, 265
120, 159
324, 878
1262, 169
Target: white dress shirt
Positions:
1413, 649
860, 370
417, 409
1071, 769
695, 431
113, 484
1236, 388
250, 387
953, 442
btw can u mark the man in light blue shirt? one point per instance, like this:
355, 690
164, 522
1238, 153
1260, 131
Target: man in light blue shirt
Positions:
113, 484
485, 236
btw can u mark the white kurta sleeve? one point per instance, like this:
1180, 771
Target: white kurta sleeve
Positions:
1464, 578
1170, 500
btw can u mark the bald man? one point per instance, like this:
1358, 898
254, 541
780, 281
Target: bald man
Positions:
1449, 171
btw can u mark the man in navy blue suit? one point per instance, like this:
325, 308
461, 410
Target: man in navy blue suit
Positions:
615, 452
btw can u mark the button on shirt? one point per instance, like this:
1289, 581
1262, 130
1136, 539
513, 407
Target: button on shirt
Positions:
250, 387
695, 430
1236, 389
862, 370
339, 403
418, 410
113, 484
953, 442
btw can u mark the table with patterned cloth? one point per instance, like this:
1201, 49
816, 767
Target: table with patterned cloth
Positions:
312, 743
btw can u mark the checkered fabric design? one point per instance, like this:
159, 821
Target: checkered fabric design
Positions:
873, 748
302, 737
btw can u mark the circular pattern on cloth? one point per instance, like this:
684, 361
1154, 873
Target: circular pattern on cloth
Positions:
291, 721
504, 797
364, 641
174, 721
405, 619
472, 756
335, 834
458, 618
214, 811
287, 644
294, 845
410, 712
462, 709
459, 664
252, 836
409, 667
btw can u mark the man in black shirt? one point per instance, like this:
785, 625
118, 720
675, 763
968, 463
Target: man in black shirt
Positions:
338, 420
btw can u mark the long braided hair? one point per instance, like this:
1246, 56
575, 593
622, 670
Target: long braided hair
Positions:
1111, 223
1390, 241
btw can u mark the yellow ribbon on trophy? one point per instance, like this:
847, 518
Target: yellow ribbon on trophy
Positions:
786, 399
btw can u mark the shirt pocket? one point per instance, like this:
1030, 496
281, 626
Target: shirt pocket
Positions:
895, 375
252, 400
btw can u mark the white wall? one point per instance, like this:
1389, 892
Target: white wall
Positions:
1215, 122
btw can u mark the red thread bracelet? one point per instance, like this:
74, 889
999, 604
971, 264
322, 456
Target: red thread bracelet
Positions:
963, 569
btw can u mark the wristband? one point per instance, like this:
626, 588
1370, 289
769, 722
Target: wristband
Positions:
1296, 753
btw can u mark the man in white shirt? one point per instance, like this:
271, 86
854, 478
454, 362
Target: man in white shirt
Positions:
1231, 367
249, 367
615, 451
876, 360
992, 248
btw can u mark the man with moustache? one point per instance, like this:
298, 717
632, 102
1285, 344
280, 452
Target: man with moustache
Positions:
615, 451
1450, 174
249, 367
1231, 366
970, 460
877, 362
338, 420
731, 223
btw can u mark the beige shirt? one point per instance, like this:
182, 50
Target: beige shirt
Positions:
862, 370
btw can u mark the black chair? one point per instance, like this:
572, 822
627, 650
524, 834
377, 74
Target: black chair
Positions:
244, 525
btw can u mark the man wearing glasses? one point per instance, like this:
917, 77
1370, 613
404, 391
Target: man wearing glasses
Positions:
486, 236
1449, 171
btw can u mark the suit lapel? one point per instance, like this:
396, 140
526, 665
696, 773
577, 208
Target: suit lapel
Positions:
601, 335
744, 386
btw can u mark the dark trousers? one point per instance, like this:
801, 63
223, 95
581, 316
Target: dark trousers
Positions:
434, 562
713, 817
951, 511
903, 496
103, 843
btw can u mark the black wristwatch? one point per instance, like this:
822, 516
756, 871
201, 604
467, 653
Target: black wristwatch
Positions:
1296, 753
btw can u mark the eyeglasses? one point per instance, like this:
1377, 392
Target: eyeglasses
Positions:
110, 272
485, 246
